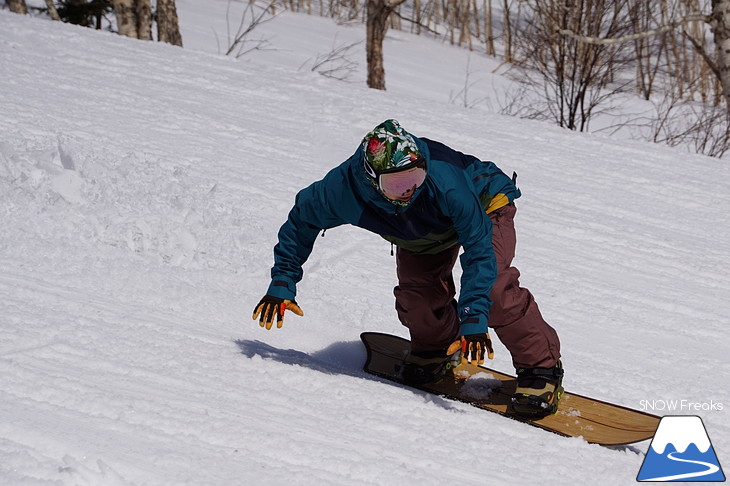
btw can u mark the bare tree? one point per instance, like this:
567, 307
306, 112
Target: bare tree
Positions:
720, 23
488, 28
253, 16
124, 12
52, 11
571, 78
649, 55
134, 18
17, 6
697, 126
143, 14
378, 12
507, 36
80, 12
677, 52
336, 63
168, 27
462, 96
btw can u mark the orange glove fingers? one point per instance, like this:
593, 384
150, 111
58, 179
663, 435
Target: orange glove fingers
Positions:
490, 348
270, 307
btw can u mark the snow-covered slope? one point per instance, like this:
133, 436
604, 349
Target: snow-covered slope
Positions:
141, 189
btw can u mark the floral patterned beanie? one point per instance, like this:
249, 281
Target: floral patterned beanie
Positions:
388, 146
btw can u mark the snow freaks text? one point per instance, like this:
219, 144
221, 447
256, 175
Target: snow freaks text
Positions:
686, 406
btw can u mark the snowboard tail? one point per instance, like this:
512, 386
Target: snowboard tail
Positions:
596, 421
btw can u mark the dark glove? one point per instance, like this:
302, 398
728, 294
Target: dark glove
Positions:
274, 306
475, 346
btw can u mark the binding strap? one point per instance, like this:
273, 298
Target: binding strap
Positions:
553, 374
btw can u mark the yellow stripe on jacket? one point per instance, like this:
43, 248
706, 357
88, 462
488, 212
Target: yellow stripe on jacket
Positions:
498, 201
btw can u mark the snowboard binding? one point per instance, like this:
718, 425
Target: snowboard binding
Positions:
428, 367
538, 391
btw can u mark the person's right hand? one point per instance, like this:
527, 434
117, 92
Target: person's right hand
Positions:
271, 306
475, 346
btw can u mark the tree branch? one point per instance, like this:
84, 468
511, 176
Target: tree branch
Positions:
703, 52
421, 25
393, 4
632, 37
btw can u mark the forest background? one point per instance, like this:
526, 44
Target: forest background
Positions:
570, 60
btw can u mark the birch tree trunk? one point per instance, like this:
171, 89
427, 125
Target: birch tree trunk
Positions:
168, 27
126, 22
143, 14
488, 29
720, 23
17, 6
507, 32
134, 18
52, 10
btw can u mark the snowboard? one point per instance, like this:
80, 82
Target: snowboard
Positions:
596, 421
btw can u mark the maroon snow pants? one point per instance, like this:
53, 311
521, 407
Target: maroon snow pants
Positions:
426, 305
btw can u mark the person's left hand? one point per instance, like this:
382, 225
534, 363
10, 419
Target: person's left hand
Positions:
475, 346
271, 306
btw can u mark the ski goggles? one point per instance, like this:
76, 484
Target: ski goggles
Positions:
401, 182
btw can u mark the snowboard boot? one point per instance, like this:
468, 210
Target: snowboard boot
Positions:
420, 368
538, 391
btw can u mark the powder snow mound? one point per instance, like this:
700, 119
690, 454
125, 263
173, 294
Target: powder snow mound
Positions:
481, 385
680, 431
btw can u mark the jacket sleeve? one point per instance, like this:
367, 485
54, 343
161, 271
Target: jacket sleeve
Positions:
315, 209
478, 263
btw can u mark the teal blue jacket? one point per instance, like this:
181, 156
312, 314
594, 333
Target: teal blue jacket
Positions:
449, 208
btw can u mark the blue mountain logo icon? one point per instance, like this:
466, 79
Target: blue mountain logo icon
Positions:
681, 451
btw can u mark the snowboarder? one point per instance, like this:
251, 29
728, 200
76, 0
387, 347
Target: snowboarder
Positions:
430, 201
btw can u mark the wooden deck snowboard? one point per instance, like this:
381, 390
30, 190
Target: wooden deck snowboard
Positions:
595, 421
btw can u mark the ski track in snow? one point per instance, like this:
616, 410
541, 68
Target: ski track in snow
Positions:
141, 190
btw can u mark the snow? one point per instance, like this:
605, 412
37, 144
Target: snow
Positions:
480, 385
680, 431
141, 190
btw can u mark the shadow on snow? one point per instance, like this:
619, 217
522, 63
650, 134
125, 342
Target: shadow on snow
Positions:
340, 358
